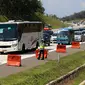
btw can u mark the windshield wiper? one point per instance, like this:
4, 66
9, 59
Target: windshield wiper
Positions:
9, 39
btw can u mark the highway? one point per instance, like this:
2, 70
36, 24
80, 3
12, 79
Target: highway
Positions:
51, 48
29, 60
3, 58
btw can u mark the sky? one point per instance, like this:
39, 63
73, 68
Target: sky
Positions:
63, 8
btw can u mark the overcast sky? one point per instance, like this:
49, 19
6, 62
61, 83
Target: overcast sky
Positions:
63, 7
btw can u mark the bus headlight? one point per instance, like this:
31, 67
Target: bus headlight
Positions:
13, 45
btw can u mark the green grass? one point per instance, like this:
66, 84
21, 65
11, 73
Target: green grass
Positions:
80, 78
55, 23
3, 18
41, 75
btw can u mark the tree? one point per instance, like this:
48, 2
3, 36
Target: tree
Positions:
20, 8
79, 15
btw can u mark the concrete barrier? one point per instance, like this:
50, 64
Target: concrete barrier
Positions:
82, 83
70, 75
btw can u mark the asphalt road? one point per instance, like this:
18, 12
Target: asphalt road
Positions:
30, 62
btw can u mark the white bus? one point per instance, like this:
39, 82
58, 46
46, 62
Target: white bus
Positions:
19, 36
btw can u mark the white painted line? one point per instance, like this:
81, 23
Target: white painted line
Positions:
3, 58
82, 83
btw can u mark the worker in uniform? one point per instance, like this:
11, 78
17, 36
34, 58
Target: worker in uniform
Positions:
41, 47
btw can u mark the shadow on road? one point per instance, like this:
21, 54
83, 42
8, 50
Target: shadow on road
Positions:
21, 52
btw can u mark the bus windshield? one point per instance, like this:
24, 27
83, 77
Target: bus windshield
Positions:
8, 32
65, 33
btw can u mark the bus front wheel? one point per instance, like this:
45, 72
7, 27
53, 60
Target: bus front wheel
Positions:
23, 47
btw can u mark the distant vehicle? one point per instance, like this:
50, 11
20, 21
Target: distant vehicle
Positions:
65, 36
50, 32
54, 38
46, 38
47, 27
79, 35
82, 29
19, 36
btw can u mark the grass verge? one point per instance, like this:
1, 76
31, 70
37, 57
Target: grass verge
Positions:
3, 18
41, 75
55, 23
78, 79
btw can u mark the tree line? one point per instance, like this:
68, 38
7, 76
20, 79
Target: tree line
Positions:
21, 9
79, 15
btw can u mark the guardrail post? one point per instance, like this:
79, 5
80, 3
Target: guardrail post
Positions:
58, 57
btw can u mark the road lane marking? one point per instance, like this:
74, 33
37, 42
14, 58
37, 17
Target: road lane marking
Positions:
3, 58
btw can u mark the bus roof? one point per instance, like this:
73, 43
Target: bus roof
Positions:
64, 29
21, 22
67, 28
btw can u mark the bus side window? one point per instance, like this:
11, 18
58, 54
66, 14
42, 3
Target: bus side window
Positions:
20, 30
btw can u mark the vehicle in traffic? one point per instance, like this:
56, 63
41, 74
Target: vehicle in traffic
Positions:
82, 29
65, 36
79, 36
47, 27
19, 36
46, 38
54, 38
50, 32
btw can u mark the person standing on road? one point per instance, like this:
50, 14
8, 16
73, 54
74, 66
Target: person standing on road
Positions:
41, 47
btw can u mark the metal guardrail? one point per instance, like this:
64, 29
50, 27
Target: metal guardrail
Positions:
82, 83
69, 76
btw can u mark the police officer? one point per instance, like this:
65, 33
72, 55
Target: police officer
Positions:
41, 50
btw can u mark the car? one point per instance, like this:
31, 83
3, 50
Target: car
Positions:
53, 38
46, 38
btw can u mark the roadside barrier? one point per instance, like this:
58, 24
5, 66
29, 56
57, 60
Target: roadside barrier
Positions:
38, 51
45, 53
67, 77
61, 48
14, 60
82, 83
75, 44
